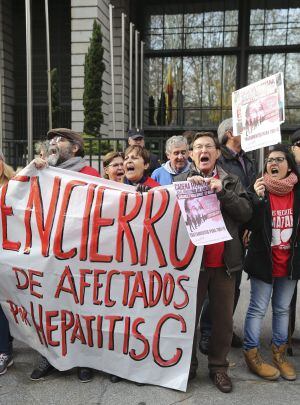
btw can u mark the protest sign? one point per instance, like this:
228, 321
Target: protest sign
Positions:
258, 111
96, 275
200, 209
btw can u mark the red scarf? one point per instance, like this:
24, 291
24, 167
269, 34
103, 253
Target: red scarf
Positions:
280, 187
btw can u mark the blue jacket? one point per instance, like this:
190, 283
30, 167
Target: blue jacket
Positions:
165, 174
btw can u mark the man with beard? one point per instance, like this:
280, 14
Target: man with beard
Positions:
66, 151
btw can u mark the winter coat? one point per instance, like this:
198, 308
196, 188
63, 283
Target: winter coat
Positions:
236, 209
231, 164
258, 261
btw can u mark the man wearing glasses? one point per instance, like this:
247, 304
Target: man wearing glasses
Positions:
220, 261
66, 151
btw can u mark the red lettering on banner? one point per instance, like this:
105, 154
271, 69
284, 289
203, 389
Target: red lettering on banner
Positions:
28, 280
39, 325
149, 230
126, 335
7, 211
154, 280
186, 296
168, 283
99, 331
51, 328
77, 331
67, 275
124, 228
177, 263
138, 290
83, 284
97, 286
35, 200
111, 329
89, 319
58, 239
66, 325
86, 221
139, 336
127, 275
14, 309
98, 223
156, 340
108, 302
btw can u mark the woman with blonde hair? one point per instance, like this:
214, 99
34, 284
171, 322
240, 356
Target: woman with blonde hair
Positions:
113, 164
6, 359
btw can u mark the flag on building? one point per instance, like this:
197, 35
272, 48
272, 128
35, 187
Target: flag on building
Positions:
169, 94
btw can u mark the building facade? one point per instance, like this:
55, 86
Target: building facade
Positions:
196, 53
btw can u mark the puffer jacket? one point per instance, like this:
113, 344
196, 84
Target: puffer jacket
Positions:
236, 209
258, 261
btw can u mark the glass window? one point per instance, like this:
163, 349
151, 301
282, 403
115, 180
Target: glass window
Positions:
274, 27
261, 66
211, 29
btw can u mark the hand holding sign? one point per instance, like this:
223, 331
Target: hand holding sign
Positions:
259, 187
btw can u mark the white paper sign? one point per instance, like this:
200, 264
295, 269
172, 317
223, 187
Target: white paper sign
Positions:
93, 274
258, 111
200, 209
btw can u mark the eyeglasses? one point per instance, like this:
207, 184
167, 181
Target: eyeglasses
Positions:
279, 159
201, 147
115, 165
57, 139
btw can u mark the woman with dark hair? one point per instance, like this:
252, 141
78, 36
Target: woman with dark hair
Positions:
273, 260
6, 358
136, 165
113, 163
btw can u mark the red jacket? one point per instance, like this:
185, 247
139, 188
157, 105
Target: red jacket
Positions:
150, 182
90, 170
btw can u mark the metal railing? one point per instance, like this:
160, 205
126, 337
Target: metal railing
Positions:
16, 155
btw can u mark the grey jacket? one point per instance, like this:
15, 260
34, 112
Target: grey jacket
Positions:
236, 209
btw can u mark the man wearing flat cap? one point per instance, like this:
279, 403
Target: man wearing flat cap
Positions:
66, 151
136, 137
295, 147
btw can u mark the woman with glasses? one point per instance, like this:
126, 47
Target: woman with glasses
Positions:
113, 163
273, 261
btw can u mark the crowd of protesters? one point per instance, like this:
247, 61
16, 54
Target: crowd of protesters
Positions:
261, 213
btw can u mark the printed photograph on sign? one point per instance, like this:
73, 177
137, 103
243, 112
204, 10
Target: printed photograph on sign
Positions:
200, 209
258, 111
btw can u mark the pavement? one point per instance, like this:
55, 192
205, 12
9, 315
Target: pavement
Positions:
65, 388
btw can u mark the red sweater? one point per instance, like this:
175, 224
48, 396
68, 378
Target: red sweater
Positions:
282, 228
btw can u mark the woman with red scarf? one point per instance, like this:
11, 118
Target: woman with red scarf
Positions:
273, 261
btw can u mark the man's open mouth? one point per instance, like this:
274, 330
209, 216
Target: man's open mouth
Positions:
204, 159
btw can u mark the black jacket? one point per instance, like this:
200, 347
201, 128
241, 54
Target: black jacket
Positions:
258, 261
236, 209
231, 164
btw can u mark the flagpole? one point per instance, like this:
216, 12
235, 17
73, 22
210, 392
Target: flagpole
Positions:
130, 73
112, 71
48, 64
142, 86
136, 77
29, 79
123, 74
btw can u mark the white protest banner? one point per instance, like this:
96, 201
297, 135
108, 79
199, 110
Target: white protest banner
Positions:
200, 209
258, 111
99, 277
